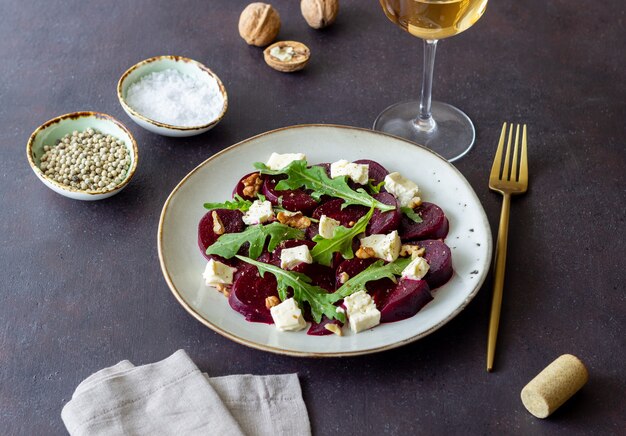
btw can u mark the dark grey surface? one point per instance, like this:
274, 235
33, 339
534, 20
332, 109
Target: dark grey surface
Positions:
81, 283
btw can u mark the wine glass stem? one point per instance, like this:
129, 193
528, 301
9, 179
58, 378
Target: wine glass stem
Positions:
425, 121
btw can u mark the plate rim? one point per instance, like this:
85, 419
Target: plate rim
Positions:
296, 353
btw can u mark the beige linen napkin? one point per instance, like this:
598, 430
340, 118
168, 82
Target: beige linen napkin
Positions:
172, 397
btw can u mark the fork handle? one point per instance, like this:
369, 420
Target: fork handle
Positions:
498, 280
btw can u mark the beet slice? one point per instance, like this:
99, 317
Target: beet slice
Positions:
377, 172
434, 224
320, 329
239, 187
347, 215
351, 267
378, 289
439, 257
326, 167
292, 199
231, 219
405, 300
248, 294
385, 222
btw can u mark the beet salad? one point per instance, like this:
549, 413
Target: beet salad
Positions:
327, 244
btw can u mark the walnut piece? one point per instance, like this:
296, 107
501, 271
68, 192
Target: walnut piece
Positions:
365, 253
334, 328
293, 219
287, 56
415, 201
218, 225
343, 277
319, 13
411, 250
223, 289
271, 301
259, 24
252, 184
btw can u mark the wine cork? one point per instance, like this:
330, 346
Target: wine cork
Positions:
554, 385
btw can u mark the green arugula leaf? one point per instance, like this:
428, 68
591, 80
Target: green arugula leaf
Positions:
376, 271
340, 242
302, 288
315, 178
229, 244
239, 203
411, 214
375, 188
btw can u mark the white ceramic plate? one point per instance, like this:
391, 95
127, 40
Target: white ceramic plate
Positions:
213, 181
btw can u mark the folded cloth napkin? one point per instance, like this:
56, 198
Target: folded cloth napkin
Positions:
172, 397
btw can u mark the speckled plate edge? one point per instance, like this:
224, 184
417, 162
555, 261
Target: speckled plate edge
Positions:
483, 274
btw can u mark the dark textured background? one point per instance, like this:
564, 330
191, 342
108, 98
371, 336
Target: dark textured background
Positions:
81, 284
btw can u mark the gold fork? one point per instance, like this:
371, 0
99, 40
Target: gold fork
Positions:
507, 183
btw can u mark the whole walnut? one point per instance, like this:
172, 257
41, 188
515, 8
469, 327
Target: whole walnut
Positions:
319, 13
259, 24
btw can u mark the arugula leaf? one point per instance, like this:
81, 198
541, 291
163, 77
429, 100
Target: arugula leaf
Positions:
411, 214
376, 271
229, 244
375, 188
302, 288
340, 242
315, 178
239, 203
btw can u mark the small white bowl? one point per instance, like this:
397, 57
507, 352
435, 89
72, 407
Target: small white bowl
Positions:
51, 131
160, 63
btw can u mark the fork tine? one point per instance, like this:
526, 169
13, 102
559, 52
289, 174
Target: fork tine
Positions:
523, 171
514, 175
497, 161
505, 170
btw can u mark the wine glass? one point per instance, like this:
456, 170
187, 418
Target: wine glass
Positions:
439, 126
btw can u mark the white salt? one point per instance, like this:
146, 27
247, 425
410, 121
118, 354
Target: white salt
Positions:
175, 98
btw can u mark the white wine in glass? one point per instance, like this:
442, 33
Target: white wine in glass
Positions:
439, 126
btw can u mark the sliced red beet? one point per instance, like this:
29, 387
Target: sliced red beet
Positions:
240, 187
380, 290
434, 224
405, 300
320, 275
320, 329
248, 294
326, 167
291, 199
231, 219
351, 267
385, 222
376, 170
377, 289
439, 257
347, 215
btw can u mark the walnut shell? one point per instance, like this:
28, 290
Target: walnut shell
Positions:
259, 24
319, 13
296, 56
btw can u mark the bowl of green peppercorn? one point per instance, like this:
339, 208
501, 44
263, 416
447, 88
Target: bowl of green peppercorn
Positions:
83, 155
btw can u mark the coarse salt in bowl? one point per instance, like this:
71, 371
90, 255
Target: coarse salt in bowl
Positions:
172, 96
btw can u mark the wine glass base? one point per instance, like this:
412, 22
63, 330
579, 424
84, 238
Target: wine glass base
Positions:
452, 136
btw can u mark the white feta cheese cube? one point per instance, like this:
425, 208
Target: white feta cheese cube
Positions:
216, 273
290, 257
287, 316
279, 161
386, 247
259, 213
357, 172
362, 311
416, 270
401, 188
327, 226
